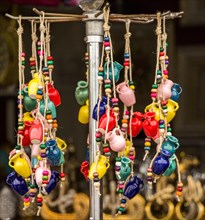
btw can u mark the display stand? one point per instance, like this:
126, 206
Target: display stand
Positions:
94, 39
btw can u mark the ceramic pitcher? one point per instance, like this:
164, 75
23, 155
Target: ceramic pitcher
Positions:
136, 124
133, 186
116, 140
172, 166
164, 89
50, 106
150, 124
29, 103
44, 167
172, 107
33, 86
117, 68
102, 166
125, 168
102, 108
161, 163
81, 92
170, 144
126, 95
176, 91
19, 162
83, 115
111, 120
53, 153
54, 95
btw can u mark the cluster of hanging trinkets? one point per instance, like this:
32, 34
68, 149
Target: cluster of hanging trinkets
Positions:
154, 121
33, 177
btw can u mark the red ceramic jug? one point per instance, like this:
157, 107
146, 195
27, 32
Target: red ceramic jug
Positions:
85, 169
136, 124
26, 137
103, 121
54, 95
150, 124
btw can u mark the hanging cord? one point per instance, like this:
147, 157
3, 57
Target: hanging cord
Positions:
158, 32
34, 41
21, 68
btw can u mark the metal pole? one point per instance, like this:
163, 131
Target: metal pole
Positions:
94, 38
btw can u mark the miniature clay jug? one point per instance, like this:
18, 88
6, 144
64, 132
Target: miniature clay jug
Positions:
54, 179
176, 91
17, 183
26, 137
102, 166
116, 140
164, 89
104, 120
172, 166
125, 168
136, 124
161, 163
117, 68
43, 169
83, 115
81, 92
132, 186
28, 103
50, 106
126, 94
53, 153
54, 95
172, 107
170, 144
36, 132
150, 124
33, 86
19, 162
102, 108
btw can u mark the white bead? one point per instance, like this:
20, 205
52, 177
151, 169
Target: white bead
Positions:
162, 58
107, 48
118, 164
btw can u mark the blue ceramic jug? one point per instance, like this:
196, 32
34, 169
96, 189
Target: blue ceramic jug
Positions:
176, 91
172, 166
55, 178
102, 108
17, 183
50, 107
53, 153
161, 163
170, 144
117, 68
132, 187
125, 168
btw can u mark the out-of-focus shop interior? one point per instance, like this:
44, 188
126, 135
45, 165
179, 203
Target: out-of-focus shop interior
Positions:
186, 51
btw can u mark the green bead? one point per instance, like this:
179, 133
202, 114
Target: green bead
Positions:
18, 147
21, 93
45, 178
121, 209
118, 159
167, 44
162, 126
164, 107
100, 73
154, 86
23, 63
98, 139
161, 49
50, 62
159, 72
42, 146
107, 86
20, 123
48, 112
169, 129
120, 191
147, 148
32, 186
131, 83
33, 68
105, 145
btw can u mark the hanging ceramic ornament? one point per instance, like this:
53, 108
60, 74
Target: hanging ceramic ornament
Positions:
164, 108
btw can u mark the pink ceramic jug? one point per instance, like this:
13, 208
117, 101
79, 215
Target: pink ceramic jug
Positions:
126, 94
43, 169
164, 89
116, 140
36, 132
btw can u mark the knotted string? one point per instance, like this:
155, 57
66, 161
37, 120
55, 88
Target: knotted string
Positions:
34, 41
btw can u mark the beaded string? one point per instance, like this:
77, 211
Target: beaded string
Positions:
33, 59
21, 67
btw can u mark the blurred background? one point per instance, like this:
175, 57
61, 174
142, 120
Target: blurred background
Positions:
186, 39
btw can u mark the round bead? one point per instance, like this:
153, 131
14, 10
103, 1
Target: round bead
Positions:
153, 95
106, 39
147, 148
161, 53
149, 169
147, 144
149, 178
162, 58
118, 163
123, 201
62, 175
107, 48
180, 189
132, 87
180, 184
39, 199
178, 193
95, 174
63, 179
165, 72
126, 55
45, 173
97, 184
115, 100
106, 150
131, 157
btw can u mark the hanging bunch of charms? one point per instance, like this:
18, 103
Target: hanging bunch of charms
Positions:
164, 94
32, 177
109, 136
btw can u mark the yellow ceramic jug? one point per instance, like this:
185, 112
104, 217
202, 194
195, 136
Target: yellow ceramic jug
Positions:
102, 166
61, 143
83, 115
33, 86
28, 117
20, 164
172, 107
